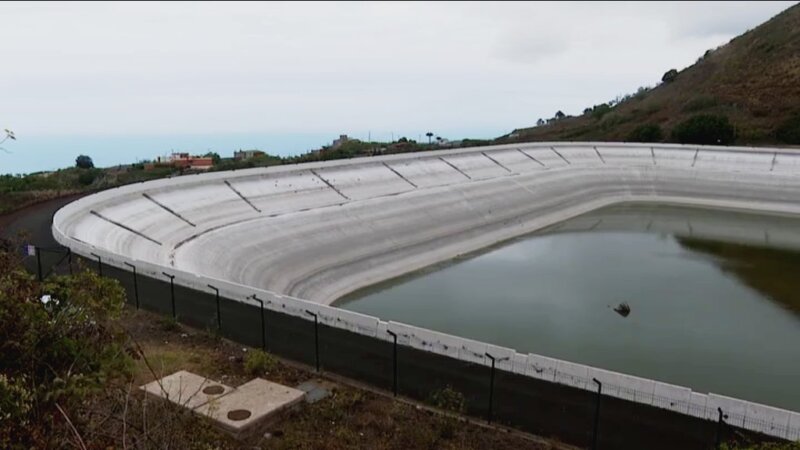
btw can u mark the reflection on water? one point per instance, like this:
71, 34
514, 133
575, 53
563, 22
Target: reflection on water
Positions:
713, 297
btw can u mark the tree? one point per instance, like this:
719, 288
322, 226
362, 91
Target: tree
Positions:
430, 135
84, 162
540, 122
669, 76
215, 158
704, 129
559, 115
587, 111
646, 133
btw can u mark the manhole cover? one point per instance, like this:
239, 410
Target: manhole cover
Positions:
238, 414
213, 390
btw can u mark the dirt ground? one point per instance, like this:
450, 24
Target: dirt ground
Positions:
351, 417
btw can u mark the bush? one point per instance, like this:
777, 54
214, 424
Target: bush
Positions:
258, 362
789, 131
56, 349
704, 129
598, 111
646, 133
669, 76
449, 399
87, 177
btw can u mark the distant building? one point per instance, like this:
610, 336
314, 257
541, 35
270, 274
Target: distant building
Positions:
338, 142
243, 155
184, 161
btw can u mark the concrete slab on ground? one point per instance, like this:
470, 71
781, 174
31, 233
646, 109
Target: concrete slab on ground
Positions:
250, 406
187, 389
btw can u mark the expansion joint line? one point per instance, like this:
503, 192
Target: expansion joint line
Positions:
124, 227
496, 162
330, 185
694, 161
399, 175
454, 167
531, 157
653, 154
599, 155
560, 155
167, 209
774, 159
241, 195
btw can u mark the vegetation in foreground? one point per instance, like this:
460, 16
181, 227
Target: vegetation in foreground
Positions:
74, 356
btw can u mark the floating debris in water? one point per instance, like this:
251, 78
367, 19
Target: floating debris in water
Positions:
623, 309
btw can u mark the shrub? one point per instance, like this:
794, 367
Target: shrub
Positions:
258, 362
646, 133
449, 399
452, 401
669, 76
87, 177
789, 131
704, 129
56, 349
598, 111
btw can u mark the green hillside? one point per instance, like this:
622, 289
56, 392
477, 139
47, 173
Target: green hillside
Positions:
753, 81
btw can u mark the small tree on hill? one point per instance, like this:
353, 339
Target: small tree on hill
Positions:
704, 129
84, 162
560, 115
540, 122
215, 158
669, 76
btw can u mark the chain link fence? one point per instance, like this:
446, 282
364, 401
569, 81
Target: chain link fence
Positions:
551, 401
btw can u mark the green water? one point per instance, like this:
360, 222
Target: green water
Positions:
712, 313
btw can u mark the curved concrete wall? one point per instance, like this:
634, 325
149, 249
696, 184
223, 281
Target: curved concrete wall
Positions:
318, 231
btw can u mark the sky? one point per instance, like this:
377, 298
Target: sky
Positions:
128, 81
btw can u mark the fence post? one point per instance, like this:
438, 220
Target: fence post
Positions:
263, 326
216, 297
316, 337
394, 362
38, 252
135, 283
99, 263
172, 293
720, 424
596, 413
491, 389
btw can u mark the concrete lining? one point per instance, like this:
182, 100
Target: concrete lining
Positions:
305, 245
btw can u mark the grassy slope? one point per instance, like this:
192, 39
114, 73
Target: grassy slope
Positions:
754, 80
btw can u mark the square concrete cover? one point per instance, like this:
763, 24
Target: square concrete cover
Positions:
187, 389
250, 404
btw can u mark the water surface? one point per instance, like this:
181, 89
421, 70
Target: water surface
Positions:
714, 298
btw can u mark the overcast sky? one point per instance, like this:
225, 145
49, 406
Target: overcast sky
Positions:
473, 68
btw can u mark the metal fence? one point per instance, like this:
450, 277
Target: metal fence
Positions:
548, 400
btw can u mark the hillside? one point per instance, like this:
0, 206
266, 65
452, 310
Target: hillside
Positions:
753, 80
